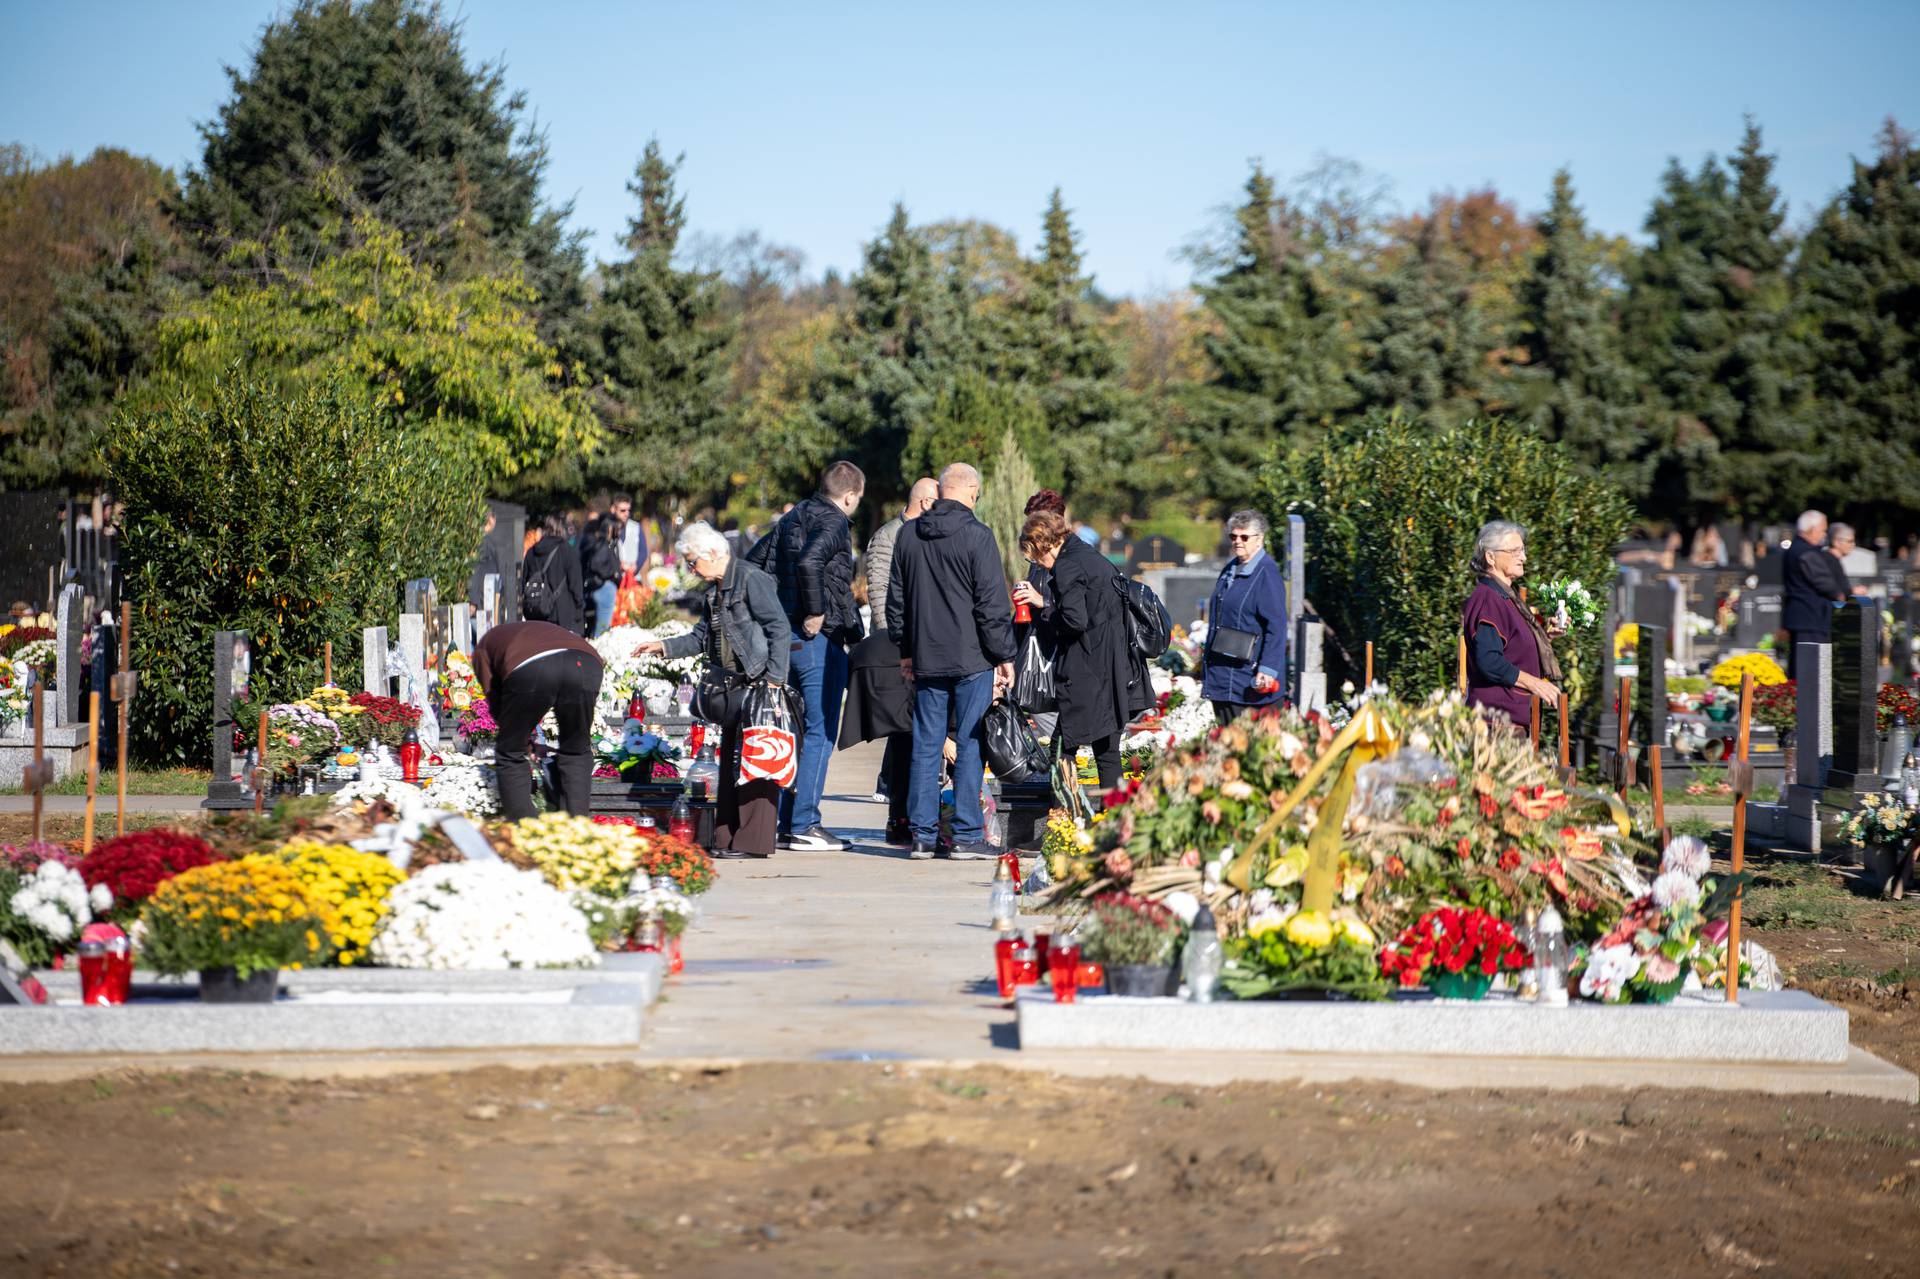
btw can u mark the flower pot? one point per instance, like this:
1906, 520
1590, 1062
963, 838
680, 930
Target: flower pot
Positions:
1660, 994
1464, 985
1720, 714
1140, 980
225, 986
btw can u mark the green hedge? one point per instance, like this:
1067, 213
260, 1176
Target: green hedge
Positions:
292, 515
1392, 508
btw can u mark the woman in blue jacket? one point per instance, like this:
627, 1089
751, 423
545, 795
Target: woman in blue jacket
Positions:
1246, 655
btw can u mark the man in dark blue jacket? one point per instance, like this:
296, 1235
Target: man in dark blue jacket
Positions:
810, 555
1814, 583
949, 611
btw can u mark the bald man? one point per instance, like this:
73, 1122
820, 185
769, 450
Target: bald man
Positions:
949, 611
879, 558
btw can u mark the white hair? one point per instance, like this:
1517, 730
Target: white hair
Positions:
699, 541
1248, 521
1490, 532
1808, 521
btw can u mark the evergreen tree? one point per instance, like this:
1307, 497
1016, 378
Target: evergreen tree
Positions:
1003, 500
374, 99
969, 416
1425, 347
1575, 385
660, 353
1280, 353
1858, 280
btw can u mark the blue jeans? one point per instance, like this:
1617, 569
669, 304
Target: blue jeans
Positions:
819, 671
603, 599
968, 696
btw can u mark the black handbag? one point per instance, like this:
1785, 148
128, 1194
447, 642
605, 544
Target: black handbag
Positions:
1012, 749
718, 695
1230, 645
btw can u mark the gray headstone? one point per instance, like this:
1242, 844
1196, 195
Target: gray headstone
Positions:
373, 661
460, 633
440, 635
1184, 591
419, 595
515, 529
232, 666
1813, 714
490, 600
1296, 573
1310, 693
1758, 615
413, 657
70, 622
1856, 693
1156, 552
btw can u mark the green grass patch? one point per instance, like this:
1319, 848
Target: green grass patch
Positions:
1796, 895
140, 781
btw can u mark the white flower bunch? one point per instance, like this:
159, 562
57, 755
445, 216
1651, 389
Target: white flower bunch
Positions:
1609, 969
1675, 888
1568, 601
409, 800
1689, 855
481, 915
464, 785
628, 672
55, 900
658, 898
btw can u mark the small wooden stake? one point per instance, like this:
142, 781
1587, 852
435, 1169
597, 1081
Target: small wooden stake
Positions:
1533, 719
1463, 666
327, 664
261, 773
93, 768
1369, 663
123, 698
40, 772
1659, 794
1739, 836
1566, 753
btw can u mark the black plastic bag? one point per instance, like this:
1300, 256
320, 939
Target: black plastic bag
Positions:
1032, 688
1012, 748
770, 735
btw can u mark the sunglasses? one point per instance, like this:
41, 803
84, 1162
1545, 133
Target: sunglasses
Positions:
1243, 537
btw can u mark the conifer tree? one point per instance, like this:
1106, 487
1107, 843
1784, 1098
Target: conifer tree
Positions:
1858, 279
1424, 345
1008, 483
1575, 385
1280, 353
659, 352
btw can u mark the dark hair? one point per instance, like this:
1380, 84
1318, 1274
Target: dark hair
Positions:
558, 524
1044, 531
623, 497
601, 528
1047, 500
842, 478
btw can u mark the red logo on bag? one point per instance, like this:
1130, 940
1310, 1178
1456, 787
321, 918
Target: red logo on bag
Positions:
768, 752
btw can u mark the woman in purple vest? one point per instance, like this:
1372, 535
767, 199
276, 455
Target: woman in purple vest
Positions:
1508, 656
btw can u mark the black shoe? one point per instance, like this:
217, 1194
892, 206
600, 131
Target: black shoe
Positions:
816, 839
978, 851
734, 854
900, 832
922, 851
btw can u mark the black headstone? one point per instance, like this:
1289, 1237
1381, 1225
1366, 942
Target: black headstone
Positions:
1155, 552
1856, 696
1649, 724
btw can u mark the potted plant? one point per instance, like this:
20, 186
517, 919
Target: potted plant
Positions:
237, 924
1777, 706
1134, 939
1882, 828
1455, 953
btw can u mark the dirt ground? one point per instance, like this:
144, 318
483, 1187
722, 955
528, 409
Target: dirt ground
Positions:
840, 1169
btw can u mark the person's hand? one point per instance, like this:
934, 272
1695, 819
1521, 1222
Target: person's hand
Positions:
1555, 630
654, 647
811, 626
1547, 693
1264, 683
1023, 593
1003, 675
949, 750
906, 669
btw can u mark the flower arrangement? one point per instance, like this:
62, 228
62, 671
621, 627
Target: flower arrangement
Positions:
43, 907
1453, 942
456, 688
1778, 707
577, 852
251, 915
481, 915
1567, 602
476, 723
463, 785
351, 884
134, 865
661, 854
1303, 950
628, 671
39, 657
1880, 819
1062, 840
337, 705
1647, 955
637, 755
1626, 640
297, 733
1894, 700
385, 719
15, 695
616, 924
1763, 669
15, 638
1122, 929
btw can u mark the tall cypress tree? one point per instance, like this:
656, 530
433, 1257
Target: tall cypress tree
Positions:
1424, 345
660, 353
1575, 385
1858, 279
1280, 353
373, 101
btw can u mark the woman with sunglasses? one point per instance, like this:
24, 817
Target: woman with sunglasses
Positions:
1246, 653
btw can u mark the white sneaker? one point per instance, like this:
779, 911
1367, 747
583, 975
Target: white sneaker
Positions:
817, 840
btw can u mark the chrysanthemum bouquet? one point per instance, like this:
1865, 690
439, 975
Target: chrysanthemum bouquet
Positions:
252, 915
44, 907
1880, 819
353, 885
577, 852
481, 915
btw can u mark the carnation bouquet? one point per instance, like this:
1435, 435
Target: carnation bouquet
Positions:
133, 865
483, 915
384, 719
43, 907
251, 915
1453, 945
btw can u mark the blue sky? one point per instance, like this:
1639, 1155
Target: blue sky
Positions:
806, 121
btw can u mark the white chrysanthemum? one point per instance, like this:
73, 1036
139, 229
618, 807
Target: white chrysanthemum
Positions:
1675, 888
464, 787
1183, 904
1688, 855
481, 915
101, 899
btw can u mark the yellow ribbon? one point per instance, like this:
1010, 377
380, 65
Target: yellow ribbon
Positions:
1366, 737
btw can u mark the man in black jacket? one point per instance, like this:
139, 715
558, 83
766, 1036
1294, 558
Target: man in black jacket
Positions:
1814, 583
949, 611
810, 555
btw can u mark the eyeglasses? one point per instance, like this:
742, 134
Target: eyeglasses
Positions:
1243, 537
1507, 550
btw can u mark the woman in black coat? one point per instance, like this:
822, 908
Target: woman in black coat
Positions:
1099, 686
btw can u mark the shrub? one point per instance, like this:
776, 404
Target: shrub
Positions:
253, 915
290, 516
134, 865
1392, 508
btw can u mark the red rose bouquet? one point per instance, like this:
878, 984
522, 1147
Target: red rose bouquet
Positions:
1456, 942
133, 865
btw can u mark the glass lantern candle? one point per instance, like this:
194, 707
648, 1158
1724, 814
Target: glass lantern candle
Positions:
1550, 959
410, 755
1202, 959
1003, 945
1003, 899
1063, 963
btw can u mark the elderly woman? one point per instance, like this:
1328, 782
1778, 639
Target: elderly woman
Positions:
745, 635
1508, 653
1246, 653
1095, 680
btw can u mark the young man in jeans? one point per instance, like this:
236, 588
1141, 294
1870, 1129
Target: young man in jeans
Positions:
949, 611
810, 555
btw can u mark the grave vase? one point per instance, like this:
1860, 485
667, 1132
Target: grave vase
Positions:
1140, 980
1463, 985
226, 986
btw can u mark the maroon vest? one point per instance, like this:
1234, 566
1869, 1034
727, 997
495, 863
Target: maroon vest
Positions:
1493, 606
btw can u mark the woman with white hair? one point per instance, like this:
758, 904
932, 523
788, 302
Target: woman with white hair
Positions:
1246, 658
746, 637
1509, 658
